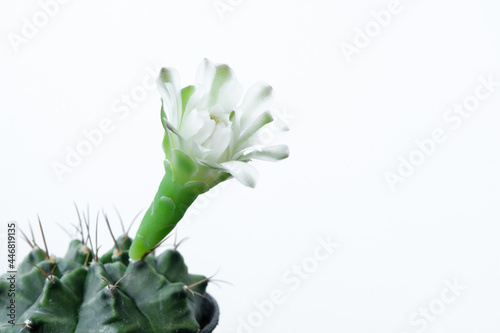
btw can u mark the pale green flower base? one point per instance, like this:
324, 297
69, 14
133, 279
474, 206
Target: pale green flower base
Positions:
177, 191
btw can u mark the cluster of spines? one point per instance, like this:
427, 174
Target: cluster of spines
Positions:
86, 293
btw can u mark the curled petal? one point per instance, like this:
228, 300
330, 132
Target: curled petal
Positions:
193, 123
219, 142
270, 153
205, 76
225, 91
257, 100
243, 172
206, 131
168, 83
186, 94
257, 124
230, 95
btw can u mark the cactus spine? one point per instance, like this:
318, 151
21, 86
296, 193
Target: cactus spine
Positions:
83, 293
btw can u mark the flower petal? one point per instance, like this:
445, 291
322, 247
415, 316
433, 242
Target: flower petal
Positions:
257, 100
205, 75
218, 142
270, 153
192, 124
263, 119
243, 172
168, 83
230, 95
225, 91
195, 101
205, 131
186, 94
223, 73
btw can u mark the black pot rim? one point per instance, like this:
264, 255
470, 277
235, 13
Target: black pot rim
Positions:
213, 314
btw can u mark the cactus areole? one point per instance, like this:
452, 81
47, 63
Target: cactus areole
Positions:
77, 293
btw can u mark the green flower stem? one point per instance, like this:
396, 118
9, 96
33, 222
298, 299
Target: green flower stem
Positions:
177, 191
168, 207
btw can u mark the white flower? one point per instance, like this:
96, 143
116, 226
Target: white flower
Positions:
215, 125
210, 135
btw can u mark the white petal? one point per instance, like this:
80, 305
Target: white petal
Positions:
205, 76
195, 101
230, 95
218, 142
225, 91
210, 164
270, 153
197, 151
205, 132
257, 100
263, 119
243, 172
168, 83
192, 123
174, 140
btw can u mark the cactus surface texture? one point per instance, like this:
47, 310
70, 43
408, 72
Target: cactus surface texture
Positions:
83, 293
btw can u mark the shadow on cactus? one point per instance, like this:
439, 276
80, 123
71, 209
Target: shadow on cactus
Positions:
210, 136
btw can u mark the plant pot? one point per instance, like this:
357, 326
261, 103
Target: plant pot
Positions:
211, 314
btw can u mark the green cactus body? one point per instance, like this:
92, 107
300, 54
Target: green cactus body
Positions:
81, 297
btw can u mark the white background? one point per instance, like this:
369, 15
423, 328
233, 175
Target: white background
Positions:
350, 124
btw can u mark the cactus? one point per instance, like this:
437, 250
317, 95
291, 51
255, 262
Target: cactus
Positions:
210, 136
82, 292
